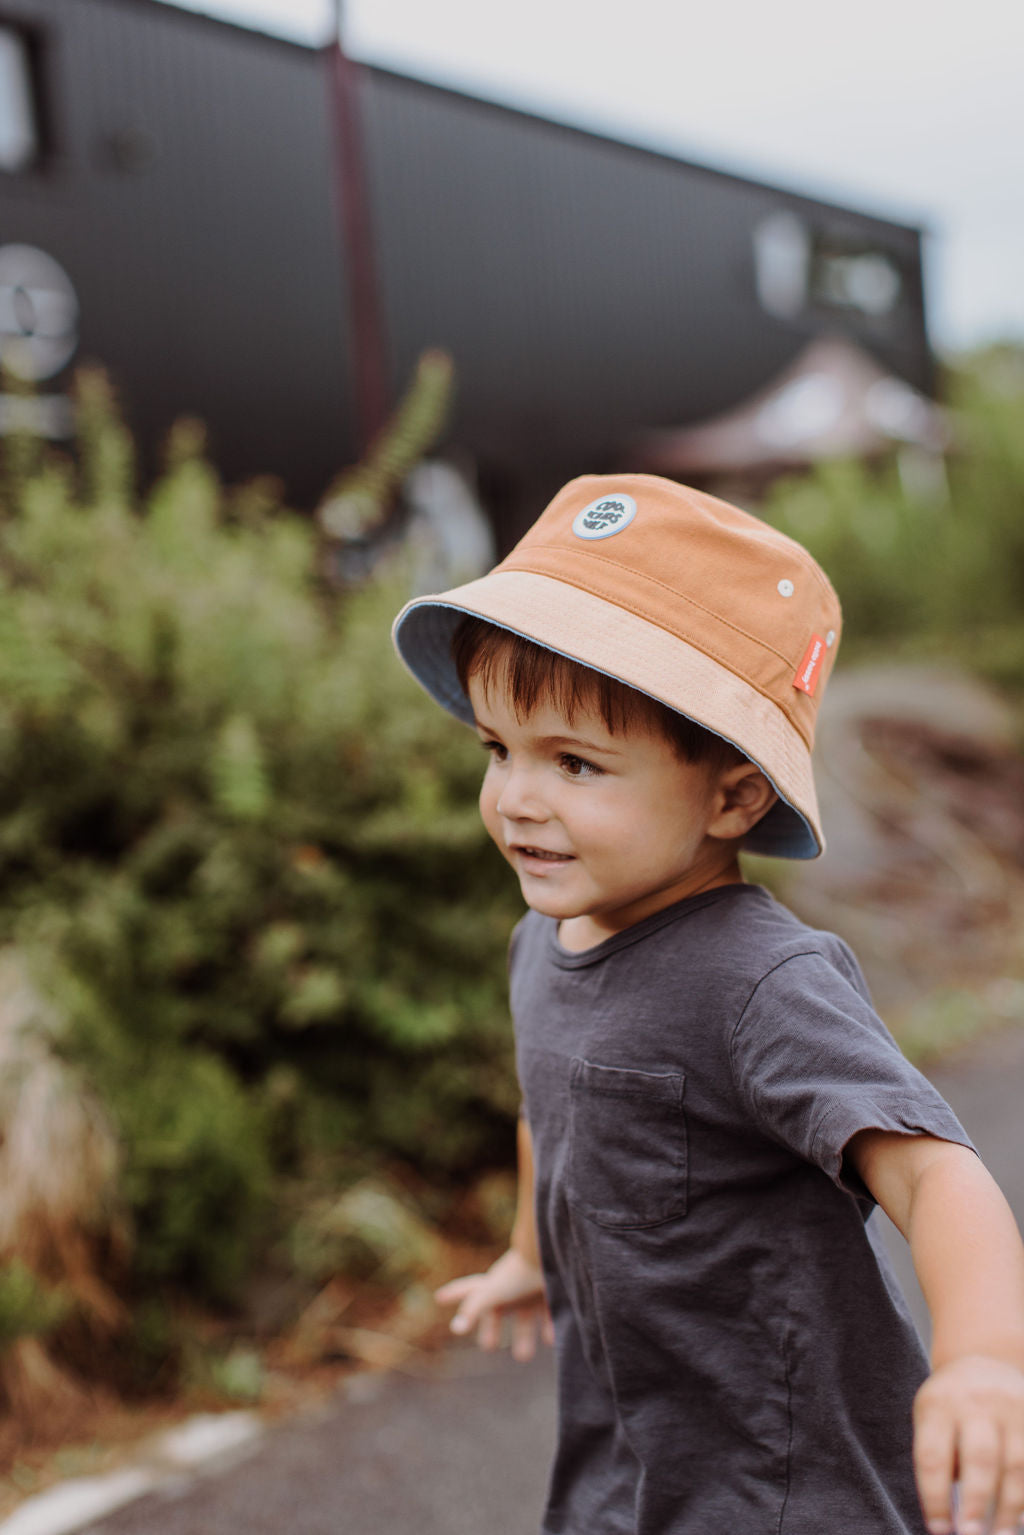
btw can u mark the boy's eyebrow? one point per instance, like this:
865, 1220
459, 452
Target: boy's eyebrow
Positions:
571, 742
574, 741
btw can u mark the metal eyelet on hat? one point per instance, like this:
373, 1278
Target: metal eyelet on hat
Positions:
785, 587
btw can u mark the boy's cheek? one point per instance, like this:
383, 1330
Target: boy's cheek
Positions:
491, 819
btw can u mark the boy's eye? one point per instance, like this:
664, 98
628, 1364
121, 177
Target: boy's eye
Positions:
495, 749
578, 767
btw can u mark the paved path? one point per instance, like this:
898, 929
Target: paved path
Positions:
464, 1451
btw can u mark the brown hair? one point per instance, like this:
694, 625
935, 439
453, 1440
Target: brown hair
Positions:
531, 673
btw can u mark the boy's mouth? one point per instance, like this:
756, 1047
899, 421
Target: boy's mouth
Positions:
543, 853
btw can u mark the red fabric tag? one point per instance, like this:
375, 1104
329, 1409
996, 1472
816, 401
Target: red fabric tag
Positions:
809, 670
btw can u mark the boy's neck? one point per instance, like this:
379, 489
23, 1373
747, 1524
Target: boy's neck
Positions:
577, 934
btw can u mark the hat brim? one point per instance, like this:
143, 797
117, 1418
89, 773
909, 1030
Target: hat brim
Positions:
610, 639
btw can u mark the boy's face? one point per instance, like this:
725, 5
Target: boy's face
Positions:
602, 829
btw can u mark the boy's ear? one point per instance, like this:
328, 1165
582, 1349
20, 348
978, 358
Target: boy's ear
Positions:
742, 796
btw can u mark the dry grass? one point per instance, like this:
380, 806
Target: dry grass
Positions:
58, 1197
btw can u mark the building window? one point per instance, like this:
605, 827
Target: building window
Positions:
797, 267
19, 126
782, 254
864, 280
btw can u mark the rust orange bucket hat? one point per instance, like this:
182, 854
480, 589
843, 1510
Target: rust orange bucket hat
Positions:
679, 595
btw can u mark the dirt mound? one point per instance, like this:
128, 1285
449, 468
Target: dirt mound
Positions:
921, 781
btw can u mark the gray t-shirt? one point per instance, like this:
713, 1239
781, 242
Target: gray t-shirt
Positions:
734, 1354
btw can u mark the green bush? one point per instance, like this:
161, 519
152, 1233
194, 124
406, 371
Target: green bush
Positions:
932, 561
239, 847
27, 1307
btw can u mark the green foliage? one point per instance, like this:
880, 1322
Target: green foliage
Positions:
358, 497
199, 1165
28, 1308
955, 1015
239, 847
369, 1232
236, 1376
926, 559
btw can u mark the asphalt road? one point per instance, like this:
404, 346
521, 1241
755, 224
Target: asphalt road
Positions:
464, 1450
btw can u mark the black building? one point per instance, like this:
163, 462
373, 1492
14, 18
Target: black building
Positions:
182, 173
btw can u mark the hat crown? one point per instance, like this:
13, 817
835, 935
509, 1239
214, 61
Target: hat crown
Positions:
705, 571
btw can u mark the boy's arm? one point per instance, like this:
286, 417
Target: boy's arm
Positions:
524, 1228
514, 1285
969, 1414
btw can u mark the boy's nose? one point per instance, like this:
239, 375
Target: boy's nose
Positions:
519, 800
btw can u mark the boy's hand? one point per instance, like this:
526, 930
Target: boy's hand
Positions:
511, 1287
969, 1425
969, 1416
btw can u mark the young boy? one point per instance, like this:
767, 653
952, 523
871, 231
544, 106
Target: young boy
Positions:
710, 1103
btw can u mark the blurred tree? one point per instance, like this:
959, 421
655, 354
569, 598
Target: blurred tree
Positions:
239, 849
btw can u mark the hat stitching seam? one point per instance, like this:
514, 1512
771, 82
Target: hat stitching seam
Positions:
806, 736
707, 649
644, 576
716, 656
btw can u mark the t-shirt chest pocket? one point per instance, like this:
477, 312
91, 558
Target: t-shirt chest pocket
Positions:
627, 1145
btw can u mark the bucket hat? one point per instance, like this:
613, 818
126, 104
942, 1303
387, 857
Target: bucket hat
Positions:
680, 595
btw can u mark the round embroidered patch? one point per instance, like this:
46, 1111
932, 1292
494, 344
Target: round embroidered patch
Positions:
608, 515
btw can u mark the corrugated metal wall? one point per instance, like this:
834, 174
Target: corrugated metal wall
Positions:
209, 276
585, 288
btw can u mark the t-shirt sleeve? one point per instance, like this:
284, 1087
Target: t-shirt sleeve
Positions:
814, 1064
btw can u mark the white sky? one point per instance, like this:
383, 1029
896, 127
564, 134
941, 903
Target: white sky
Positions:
908, 108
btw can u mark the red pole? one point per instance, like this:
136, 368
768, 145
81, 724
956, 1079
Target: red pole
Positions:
366, 327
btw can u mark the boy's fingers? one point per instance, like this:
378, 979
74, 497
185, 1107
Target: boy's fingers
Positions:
934, 1457
524, 1336
456, 1289
981, 1456
472, 1304
480, 1305
467, 1294
488, 1334
1010, 1510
